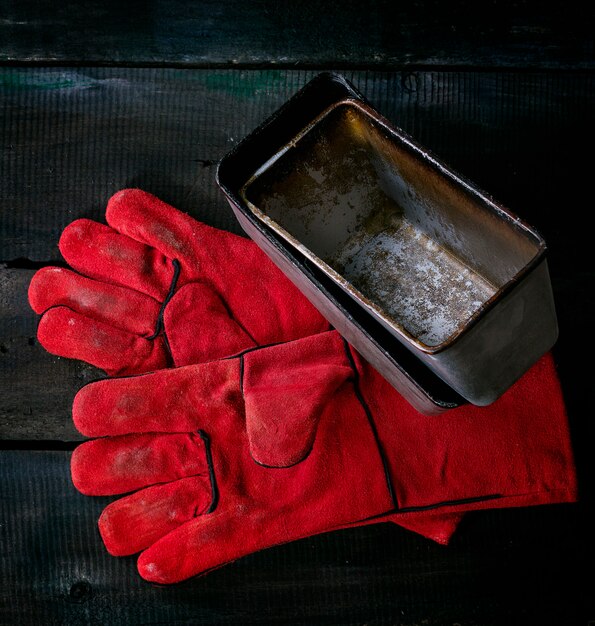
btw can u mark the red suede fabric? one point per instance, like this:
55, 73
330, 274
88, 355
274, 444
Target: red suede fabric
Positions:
341, 481
515, 452
283, 404
126, 272
119, 465
228, 297
134, 522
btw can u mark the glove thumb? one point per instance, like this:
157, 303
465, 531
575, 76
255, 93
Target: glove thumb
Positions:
285, 399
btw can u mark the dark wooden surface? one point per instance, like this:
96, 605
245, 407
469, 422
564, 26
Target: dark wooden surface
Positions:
379, 33
506, 97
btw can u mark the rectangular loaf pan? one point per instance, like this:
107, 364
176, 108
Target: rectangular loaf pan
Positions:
450, 274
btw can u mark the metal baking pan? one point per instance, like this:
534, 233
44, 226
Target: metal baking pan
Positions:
454, 277
415, 381
425, 391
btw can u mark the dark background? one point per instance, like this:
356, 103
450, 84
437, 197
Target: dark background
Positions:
98, 96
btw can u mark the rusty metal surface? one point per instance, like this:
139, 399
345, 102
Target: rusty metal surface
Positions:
418, 247
386, 227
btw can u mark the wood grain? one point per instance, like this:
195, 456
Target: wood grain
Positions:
37, 388
497, 572
72, 137
313, 34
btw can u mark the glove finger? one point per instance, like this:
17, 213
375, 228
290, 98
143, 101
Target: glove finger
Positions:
439, 527
210, 541
119, 307
200, 545
171, 400
100, 252
147, 219
69, 334
135, 522
114, 465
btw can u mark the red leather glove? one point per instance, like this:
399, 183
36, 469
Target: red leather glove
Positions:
237, 455
156, 288
157, 281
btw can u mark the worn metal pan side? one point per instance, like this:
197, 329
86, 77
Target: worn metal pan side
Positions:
413, 379
452, 275
423, 389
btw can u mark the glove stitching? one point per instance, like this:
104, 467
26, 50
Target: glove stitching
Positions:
168, 297
238, 322
272, 467
398, 509
252, 349
456, 502
366, 408
212, 478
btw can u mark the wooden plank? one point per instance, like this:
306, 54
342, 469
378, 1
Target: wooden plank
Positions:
231, 32
83, 134
37, 388
72, 137
504, 568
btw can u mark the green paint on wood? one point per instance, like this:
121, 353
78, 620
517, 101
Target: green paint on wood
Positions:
45, 80
247, 84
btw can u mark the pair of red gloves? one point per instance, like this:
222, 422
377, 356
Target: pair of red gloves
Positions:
259, 424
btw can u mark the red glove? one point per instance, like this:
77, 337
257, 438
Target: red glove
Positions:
300, 438
157, 288
155, 277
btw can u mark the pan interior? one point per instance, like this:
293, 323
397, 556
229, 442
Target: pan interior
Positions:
406, 241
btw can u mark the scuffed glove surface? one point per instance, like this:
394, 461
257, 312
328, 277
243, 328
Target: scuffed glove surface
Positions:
199, 443
156, 289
